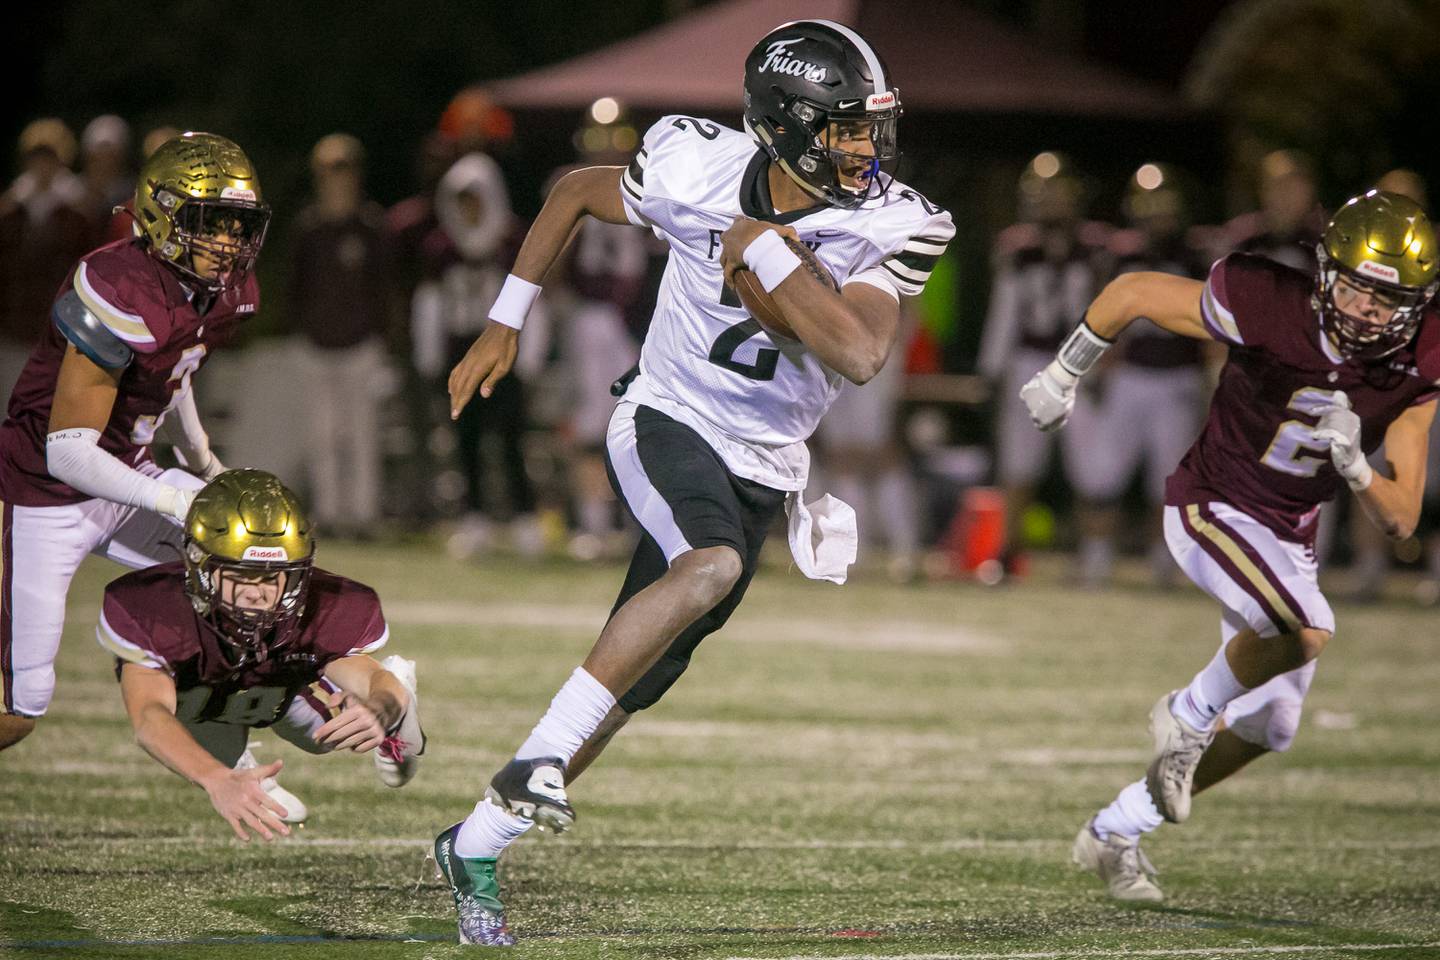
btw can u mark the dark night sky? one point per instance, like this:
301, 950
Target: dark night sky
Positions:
325, 64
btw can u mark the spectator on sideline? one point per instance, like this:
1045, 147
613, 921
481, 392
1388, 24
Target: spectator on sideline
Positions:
43, 231
342, 294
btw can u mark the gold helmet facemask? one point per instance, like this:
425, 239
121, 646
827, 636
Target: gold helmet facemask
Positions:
246, 524
1379, 247
198, 196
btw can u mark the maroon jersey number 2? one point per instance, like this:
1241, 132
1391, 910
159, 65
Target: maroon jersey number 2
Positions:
1295, 449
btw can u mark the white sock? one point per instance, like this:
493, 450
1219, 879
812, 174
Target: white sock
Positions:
574, 715
1200, 703
1132, 813
488, 831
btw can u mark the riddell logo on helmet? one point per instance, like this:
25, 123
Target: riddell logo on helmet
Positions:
880, 101
778, 60
1379, 271
237, 193
265, 553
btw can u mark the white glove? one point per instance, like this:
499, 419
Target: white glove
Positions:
174, 504
1340, 427
1050, 396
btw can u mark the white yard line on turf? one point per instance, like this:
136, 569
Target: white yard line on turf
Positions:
1084, 954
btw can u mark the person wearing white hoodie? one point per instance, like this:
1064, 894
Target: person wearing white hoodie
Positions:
465, 260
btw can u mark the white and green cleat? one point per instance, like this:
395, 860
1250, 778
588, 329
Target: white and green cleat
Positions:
475, 891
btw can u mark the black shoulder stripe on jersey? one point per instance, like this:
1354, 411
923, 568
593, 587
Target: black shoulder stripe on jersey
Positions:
625, 185
942, 241
637, 171
904, 280
917, 261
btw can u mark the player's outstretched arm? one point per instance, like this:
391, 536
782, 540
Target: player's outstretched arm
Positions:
85, 395
592, 191
371, 701
236, 795
851, 330
1392, 505
1171, 303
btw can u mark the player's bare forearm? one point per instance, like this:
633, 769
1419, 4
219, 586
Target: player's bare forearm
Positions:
851, 331
1390, 507
592, 191
1171, 303
378, 688
166, 739
1393, 505
150, 703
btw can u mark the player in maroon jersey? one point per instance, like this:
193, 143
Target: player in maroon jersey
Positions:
246, 632
1323, 367
131, 324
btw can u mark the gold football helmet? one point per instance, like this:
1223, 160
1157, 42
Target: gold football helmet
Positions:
198, 204
1154, 193
246, 528
1378, 270
1050, 189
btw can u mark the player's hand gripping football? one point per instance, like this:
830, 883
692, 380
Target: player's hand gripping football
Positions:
740, 234
489, 358
356, 727
1050, 396
238, 797
1340, 427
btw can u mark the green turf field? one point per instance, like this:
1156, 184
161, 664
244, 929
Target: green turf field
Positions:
865, 770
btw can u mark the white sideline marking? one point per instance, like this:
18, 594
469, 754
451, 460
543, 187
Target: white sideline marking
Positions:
960, 843
834, 632
1080, 954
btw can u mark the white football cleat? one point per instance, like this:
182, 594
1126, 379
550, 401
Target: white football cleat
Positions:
295, 809
397, 760
1178, 748
1119, 862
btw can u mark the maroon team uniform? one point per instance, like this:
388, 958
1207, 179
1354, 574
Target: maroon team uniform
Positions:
49, 527
1241, 509
1257, 451
143, 303
147, 618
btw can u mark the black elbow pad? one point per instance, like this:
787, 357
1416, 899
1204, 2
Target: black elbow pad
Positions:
82, 328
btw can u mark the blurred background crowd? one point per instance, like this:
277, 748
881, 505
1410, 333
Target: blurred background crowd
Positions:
1072, 142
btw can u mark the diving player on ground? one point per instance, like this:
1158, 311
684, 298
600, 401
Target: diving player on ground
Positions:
131, 325
244, 633
1323, 367
708, 441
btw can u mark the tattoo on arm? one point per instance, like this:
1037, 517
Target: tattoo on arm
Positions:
812, 263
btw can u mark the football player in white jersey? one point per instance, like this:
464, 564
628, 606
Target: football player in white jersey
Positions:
708, 442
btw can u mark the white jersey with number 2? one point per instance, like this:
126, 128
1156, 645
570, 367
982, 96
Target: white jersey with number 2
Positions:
706, 362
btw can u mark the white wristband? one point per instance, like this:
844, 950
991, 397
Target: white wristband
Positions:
771, 260
516, 298
1082, 349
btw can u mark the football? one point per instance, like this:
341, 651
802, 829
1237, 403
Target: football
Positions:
762, 306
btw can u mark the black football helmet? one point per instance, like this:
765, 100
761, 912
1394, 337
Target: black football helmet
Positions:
819, 100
